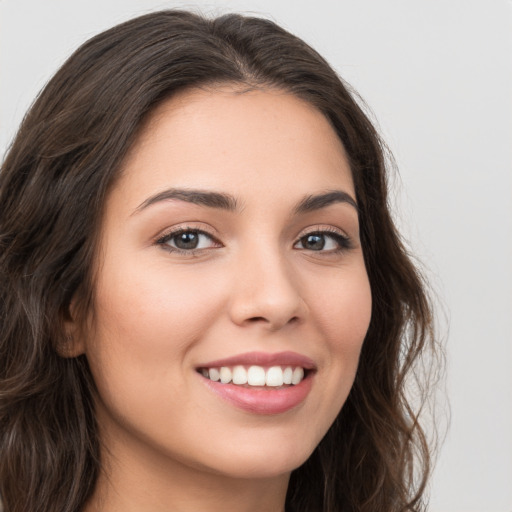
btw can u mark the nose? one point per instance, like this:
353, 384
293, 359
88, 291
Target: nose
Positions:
265, 291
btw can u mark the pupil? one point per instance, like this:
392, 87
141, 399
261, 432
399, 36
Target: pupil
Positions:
187, 240
315, 242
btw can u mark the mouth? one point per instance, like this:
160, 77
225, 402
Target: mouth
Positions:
256, 376
261, 383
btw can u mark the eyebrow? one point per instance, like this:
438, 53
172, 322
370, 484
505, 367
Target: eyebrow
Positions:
316, 202
227, 202
200, 197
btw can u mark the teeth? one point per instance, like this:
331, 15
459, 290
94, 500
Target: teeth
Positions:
275, 376
214, 374
225, 375
256, 376
239, 375
298, 375
287, 375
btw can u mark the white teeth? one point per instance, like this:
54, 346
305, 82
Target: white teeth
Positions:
225, 375
287, 375
275, 376
256, 376
239, 375
214, 374
298, 375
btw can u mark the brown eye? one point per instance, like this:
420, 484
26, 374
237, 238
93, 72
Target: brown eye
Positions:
323, 241
313, 242
188, 240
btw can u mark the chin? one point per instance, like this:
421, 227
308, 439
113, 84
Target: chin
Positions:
266, 467
260, 460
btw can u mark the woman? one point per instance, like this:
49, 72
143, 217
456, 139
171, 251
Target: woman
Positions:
205, 304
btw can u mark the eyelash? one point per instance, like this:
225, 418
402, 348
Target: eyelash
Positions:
163, 240
343, 242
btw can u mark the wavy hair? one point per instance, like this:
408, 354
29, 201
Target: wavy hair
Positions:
53, 185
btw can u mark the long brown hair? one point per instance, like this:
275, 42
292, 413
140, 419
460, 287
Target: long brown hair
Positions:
53, 185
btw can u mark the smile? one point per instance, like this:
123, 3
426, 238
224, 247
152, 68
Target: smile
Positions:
261, 383
257, 376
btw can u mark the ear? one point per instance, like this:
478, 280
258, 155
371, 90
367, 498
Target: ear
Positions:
71, 342
70, 347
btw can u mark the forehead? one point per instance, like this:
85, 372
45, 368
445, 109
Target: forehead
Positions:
239, 141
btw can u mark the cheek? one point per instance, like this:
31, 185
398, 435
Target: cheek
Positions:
147, 321
145, 326
344, 310
343, 314
155, 300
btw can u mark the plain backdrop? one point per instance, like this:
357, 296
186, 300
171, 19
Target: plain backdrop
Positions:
437, 75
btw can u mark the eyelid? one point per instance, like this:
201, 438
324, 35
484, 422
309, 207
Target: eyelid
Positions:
341, 237
163, 237
186, 226
322, 228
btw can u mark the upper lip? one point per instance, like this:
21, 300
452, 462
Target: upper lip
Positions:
264, 359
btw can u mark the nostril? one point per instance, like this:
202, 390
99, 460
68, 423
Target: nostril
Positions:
257, 319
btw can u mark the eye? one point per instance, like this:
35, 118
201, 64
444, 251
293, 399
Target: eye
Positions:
325, 241
188, 240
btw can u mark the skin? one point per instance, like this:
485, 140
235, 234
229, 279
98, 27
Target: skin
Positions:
170, 443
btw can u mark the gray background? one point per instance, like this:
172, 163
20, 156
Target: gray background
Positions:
438, 77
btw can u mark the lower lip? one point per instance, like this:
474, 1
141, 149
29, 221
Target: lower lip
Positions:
263, 401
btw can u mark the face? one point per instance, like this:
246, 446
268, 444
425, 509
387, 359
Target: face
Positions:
229, 253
